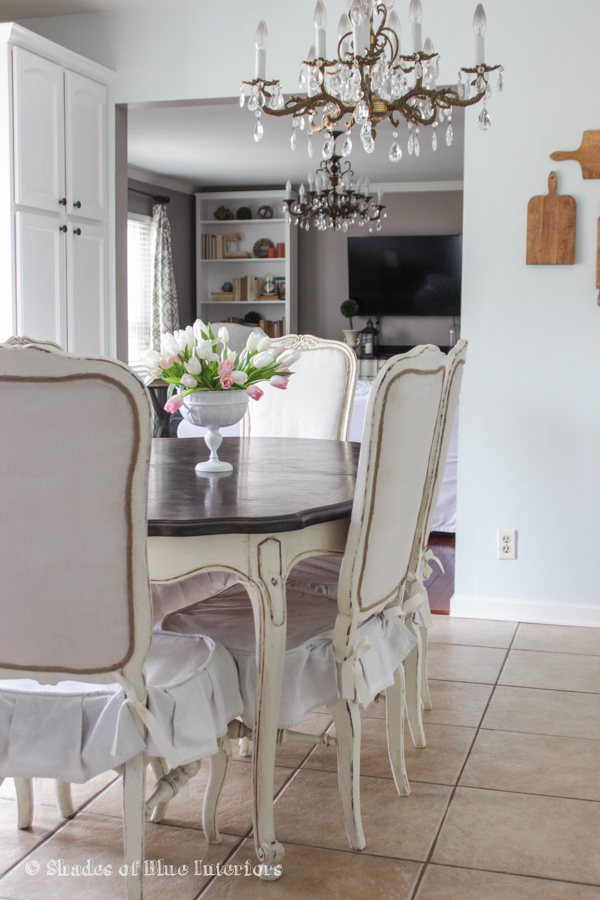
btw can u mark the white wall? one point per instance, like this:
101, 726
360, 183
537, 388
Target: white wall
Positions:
530, 422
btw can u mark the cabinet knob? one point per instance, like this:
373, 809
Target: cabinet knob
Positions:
63, 201
76, 230
63, 228
77, 204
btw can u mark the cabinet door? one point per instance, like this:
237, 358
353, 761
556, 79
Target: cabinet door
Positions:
85, 117
40, 281
39, 131
86, 289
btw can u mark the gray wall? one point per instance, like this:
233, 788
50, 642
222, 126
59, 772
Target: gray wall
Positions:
183, 238
323, 268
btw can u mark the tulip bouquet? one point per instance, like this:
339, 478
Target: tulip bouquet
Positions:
189, 362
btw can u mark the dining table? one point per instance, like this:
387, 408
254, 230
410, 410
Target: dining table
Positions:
285, 500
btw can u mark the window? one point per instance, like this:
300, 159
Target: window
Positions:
140, 262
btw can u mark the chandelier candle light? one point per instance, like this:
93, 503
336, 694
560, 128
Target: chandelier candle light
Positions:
333, 200
371, 81
212, 388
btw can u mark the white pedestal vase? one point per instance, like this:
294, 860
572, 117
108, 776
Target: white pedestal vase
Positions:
213, 409
351, 338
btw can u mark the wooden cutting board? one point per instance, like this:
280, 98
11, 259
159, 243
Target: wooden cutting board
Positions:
588, 154
551, 228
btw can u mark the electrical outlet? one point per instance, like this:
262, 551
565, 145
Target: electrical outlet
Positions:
507, 545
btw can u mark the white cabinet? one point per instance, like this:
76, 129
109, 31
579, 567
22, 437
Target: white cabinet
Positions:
86, 254
39, 131
53, 193
40, 277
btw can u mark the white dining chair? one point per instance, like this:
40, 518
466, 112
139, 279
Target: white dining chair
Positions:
84, 685
346, 639
317, 402
417, 688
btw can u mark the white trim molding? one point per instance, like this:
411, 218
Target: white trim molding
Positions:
507, 610
15, 34
416, 187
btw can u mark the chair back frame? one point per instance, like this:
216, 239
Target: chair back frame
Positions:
306, 343
23, 362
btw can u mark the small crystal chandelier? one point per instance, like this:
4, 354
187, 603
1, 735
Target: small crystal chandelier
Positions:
333, 201
371, 81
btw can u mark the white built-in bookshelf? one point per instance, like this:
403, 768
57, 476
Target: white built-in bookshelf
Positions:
211, 274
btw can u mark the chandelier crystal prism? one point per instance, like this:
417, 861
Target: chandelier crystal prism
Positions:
371, 80
333, 199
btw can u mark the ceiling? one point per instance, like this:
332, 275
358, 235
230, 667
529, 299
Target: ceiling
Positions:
212, 145
31, 9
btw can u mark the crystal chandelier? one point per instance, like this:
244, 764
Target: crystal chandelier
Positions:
371, 81
333, 200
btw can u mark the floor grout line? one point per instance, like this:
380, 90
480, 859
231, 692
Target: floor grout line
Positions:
466, 760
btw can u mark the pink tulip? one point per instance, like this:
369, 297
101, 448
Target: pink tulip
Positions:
255, 392
174, 403
189, 380
225, 367
282, 369
165, 362
279, 381
226, 382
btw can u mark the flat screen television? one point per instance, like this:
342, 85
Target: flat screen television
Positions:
406, 276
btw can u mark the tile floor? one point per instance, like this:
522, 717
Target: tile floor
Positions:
504, 804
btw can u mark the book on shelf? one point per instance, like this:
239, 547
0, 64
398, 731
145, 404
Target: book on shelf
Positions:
221, 246
273, 329
226, 296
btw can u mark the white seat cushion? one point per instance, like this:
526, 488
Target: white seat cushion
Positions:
74, 730
310, 673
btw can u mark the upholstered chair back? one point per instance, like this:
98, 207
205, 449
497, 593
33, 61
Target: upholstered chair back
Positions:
400, 425
317, 402
74, 451
455, 364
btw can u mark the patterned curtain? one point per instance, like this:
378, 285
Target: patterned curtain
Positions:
165, 312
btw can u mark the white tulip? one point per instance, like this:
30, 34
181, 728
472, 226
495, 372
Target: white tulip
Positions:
263, 344
230, 354
205, 351
198, 328
239, 377
169, 345
252, 342
262, 359
223, 334
150, 359
288, 358
193, 366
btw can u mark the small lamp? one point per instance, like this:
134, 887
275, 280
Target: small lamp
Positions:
369, 341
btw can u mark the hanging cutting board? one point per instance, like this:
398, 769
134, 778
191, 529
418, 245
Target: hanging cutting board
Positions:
588, 154
551, 228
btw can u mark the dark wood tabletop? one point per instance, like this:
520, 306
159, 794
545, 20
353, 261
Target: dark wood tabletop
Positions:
277, 484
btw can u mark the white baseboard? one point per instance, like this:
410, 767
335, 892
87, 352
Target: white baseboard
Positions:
469, 607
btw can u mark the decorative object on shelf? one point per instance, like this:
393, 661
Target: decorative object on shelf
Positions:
280, 250
271, 253
252, 318
261, 247
587, 155
269, 287
227, 287
280, 286
551, 228
223, 214
371, 81
244, 212
212, 388
333, 200
348, 309
265, 212
369, 341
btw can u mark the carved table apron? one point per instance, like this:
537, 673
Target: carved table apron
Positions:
286, 499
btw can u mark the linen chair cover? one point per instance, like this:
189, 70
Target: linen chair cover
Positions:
368, 640
317, 402
75, 595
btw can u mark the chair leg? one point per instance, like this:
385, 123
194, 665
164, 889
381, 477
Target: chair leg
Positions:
64, 800
219, 763
159, 768
134, 777
346, 716
394, 714
412, 670
425, 695
24, 789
